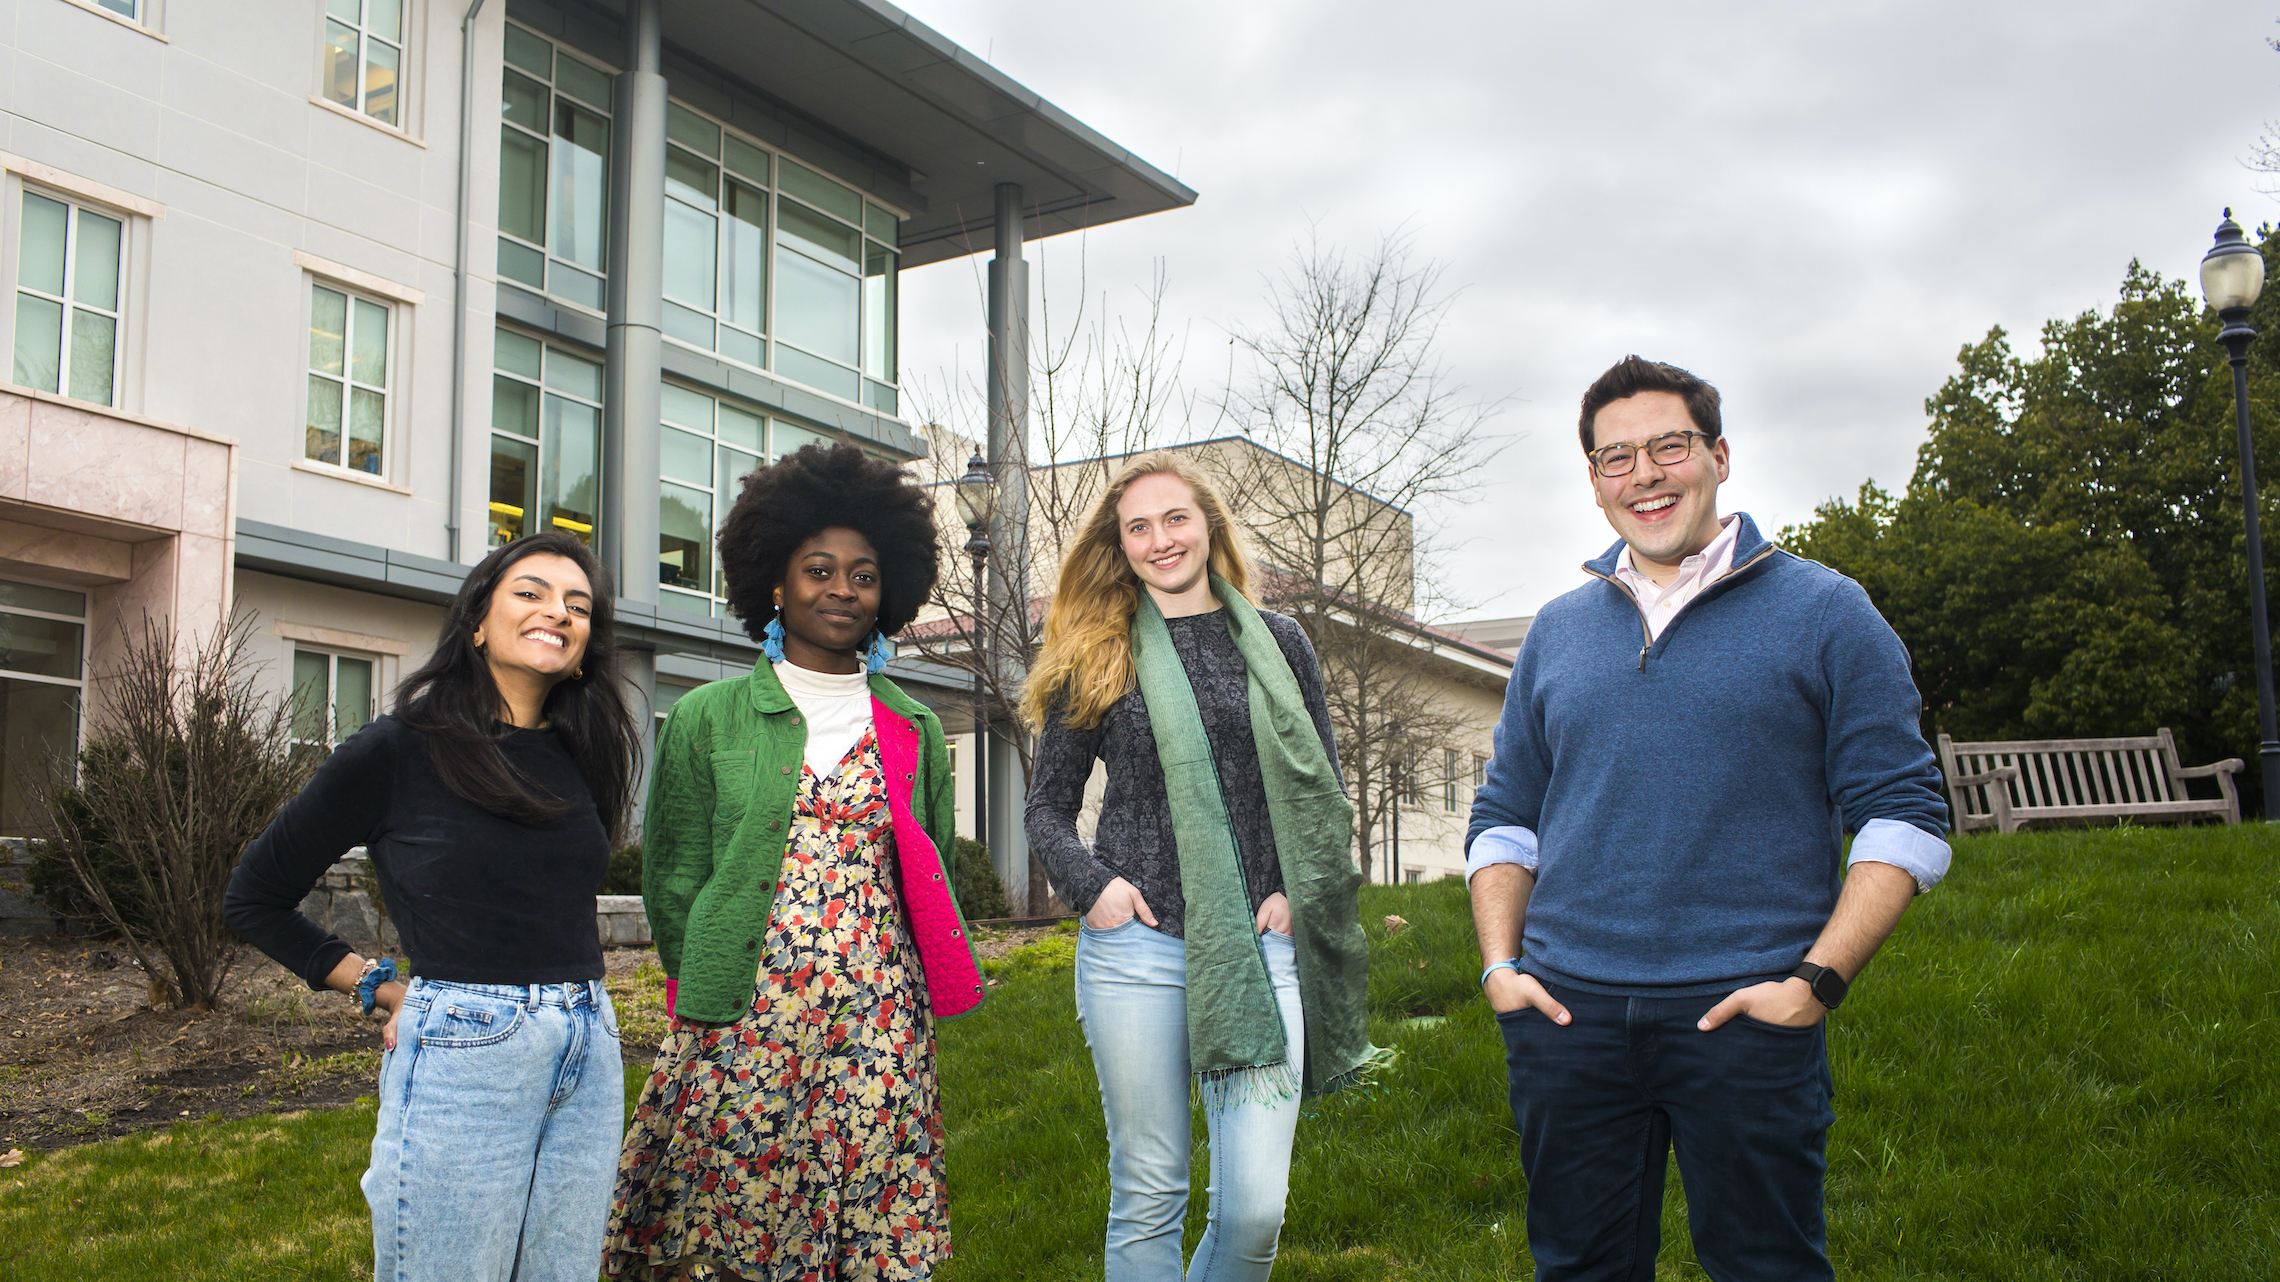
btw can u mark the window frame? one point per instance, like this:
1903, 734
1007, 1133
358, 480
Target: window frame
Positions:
879, 395
408, 13
397, 313
550, 142
548, 347
78, 685
332, 655
1449, 780
776, 434
16, 194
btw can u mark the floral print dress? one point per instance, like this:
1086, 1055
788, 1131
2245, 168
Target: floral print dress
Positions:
803, 1142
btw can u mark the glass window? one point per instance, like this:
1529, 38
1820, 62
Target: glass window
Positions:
68, 268
824, 193
554, 145
123, 8
332, 696
348, 380
1480, 771
828, 254
1448, 778
43, 640
546, 435
364, 56
707, 447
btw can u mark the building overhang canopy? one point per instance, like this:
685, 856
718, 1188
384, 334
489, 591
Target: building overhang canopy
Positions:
871, 76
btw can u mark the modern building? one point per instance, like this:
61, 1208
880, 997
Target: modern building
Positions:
302, 324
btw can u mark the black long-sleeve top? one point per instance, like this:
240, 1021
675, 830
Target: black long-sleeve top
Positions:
476, 898
1134, 838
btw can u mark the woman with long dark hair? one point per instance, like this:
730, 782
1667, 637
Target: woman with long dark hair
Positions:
798, 852
489, 801
1222, 940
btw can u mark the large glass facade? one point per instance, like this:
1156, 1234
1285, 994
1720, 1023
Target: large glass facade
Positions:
546, 439
43, 646
554, 146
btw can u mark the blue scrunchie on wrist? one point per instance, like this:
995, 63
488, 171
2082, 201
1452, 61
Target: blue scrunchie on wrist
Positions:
368, 987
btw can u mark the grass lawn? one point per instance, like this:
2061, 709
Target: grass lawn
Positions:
2063, 1066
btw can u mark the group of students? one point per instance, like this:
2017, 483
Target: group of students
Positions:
799, 847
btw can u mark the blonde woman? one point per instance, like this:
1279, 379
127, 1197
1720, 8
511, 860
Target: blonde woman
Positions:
1221, 936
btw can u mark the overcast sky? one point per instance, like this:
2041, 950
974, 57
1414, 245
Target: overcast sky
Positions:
1813, 206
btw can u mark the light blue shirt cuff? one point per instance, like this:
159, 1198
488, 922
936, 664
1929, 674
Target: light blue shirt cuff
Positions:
1884, 841
1509, 844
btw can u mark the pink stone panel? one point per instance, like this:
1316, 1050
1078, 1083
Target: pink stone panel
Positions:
206, 474
201, 586
87, 462
15, 438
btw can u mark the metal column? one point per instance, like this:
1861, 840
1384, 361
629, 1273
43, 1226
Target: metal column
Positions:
630, 396
1008, 458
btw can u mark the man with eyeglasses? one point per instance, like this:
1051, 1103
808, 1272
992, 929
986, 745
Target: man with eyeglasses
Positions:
1685, 740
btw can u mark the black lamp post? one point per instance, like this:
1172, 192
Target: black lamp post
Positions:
2232, 275
1397, 766
977, 502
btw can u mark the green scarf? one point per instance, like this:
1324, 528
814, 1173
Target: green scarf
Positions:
1236, 1044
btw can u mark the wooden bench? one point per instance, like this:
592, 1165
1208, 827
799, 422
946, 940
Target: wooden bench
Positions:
2008, 786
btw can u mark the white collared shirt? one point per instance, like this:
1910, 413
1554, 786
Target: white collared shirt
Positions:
1659, 605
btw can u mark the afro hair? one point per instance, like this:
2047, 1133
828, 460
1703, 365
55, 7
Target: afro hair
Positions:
811, 490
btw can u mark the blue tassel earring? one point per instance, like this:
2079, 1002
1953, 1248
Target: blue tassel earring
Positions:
772, 640
877, 654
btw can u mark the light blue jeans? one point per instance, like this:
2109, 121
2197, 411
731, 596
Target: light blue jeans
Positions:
501, 1110
1132, 997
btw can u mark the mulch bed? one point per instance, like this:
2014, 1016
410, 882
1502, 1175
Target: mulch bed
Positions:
85, 1056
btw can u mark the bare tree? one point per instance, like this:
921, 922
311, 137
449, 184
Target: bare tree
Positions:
1352, 427
1104, 388
186, 762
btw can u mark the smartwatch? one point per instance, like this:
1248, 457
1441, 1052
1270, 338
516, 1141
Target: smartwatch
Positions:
1828, 986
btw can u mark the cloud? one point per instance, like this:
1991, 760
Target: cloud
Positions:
1813, 206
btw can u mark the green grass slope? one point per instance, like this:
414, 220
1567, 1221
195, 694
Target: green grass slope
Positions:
2066, 1065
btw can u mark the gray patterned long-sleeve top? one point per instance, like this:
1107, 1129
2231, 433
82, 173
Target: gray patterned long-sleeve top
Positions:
1134, 839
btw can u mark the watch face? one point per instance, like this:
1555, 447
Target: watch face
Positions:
1829, 988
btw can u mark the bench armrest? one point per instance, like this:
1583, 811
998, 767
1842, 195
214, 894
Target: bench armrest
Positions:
2000, 774
2230, 766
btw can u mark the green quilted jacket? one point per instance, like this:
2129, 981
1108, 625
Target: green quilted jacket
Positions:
720, 803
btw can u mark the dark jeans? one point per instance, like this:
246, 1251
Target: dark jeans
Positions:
1602, 1102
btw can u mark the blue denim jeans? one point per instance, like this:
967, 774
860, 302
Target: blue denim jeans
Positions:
501, 1109
1602, 1103
1132, 998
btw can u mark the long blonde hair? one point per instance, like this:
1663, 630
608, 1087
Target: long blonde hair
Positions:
1086, 660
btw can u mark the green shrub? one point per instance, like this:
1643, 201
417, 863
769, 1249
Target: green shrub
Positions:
53, 882
980, 896
624, 877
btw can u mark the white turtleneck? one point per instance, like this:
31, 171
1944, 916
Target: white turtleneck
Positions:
837, 709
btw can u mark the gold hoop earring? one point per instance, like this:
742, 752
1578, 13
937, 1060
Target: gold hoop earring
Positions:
580, 674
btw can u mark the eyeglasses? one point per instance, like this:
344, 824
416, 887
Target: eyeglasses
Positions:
1666, 449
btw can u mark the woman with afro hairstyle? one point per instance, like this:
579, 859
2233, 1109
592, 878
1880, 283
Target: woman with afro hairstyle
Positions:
800, 847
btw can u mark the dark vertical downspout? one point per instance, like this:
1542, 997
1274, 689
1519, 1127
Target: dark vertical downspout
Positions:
459, 281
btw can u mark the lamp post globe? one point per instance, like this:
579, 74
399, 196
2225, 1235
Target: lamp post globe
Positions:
2232, 272
976, 493
2232, 276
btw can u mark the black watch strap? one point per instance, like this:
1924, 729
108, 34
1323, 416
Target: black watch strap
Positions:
1828, 986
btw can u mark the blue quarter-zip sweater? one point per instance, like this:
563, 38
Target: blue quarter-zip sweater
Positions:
1690, 795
